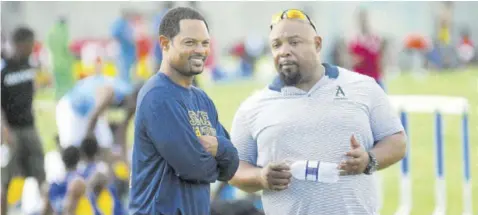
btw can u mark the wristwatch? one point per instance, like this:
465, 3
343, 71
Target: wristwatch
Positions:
372, 164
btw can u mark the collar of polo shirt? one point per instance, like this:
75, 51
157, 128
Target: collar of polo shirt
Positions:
330, 71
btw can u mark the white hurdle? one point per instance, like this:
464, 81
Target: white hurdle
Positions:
436, 105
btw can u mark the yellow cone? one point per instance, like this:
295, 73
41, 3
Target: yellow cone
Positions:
15, 190
84, 207
105, 202
121, 170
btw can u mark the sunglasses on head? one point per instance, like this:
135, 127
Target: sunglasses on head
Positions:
292, 14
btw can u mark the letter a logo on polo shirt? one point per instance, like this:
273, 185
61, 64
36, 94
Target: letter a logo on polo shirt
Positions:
339, 92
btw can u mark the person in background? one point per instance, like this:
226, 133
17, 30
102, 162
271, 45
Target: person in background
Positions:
65, 194
418, 53
444, 23
157, 51
445, 40
18, 121
123, 34
77, 68
81, 113
249, 50
58, 44
121, 161
143, 48
466, 49
366, 50
99, 181
339, 53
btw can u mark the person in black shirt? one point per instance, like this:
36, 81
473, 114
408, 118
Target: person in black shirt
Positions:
18, 130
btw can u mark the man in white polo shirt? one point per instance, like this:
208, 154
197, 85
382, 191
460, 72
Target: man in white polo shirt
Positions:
314, 111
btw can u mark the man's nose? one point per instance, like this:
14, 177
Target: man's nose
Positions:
201, 49
284, 50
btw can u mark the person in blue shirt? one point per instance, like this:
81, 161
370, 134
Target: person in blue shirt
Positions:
99, 179
180, 147
122, 32
81, 112
63, 195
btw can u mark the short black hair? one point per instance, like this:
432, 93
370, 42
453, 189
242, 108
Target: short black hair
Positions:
71, 157
89, 147
22, 34
169, 26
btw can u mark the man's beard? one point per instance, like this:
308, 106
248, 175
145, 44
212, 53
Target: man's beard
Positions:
290, 78
187, 72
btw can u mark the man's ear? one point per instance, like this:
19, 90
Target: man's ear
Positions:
164, 42
318, 43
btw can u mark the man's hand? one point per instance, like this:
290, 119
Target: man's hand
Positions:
276, 176
358, 159
209, 143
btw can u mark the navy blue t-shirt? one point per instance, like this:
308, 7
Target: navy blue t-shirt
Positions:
171, 171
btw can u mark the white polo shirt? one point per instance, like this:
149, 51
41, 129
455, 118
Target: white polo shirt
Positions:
286, 123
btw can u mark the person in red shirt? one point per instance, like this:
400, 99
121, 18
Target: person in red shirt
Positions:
466, 49
366, 50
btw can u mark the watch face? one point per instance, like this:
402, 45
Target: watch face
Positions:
372, 166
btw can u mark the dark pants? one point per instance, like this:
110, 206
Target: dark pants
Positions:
236, 207
26, 156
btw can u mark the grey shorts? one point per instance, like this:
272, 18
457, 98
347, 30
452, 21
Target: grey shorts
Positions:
26, 156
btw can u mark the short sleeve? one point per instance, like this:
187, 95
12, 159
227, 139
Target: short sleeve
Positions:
242, 139
383, 118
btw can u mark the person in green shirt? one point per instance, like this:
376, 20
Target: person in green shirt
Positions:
62, 59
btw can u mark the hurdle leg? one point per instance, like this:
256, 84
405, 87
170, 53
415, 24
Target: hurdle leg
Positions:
440, 185
467, 196
405, 204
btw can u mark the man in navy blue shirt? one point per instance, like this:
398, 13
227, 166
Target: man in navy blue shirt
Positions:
179, 145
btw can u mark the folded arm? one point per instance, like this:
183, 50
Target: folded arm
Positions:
227, 157
169, 129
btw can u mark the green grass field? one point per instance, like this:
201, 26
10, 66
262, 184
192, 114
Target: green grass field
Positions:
464, 83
